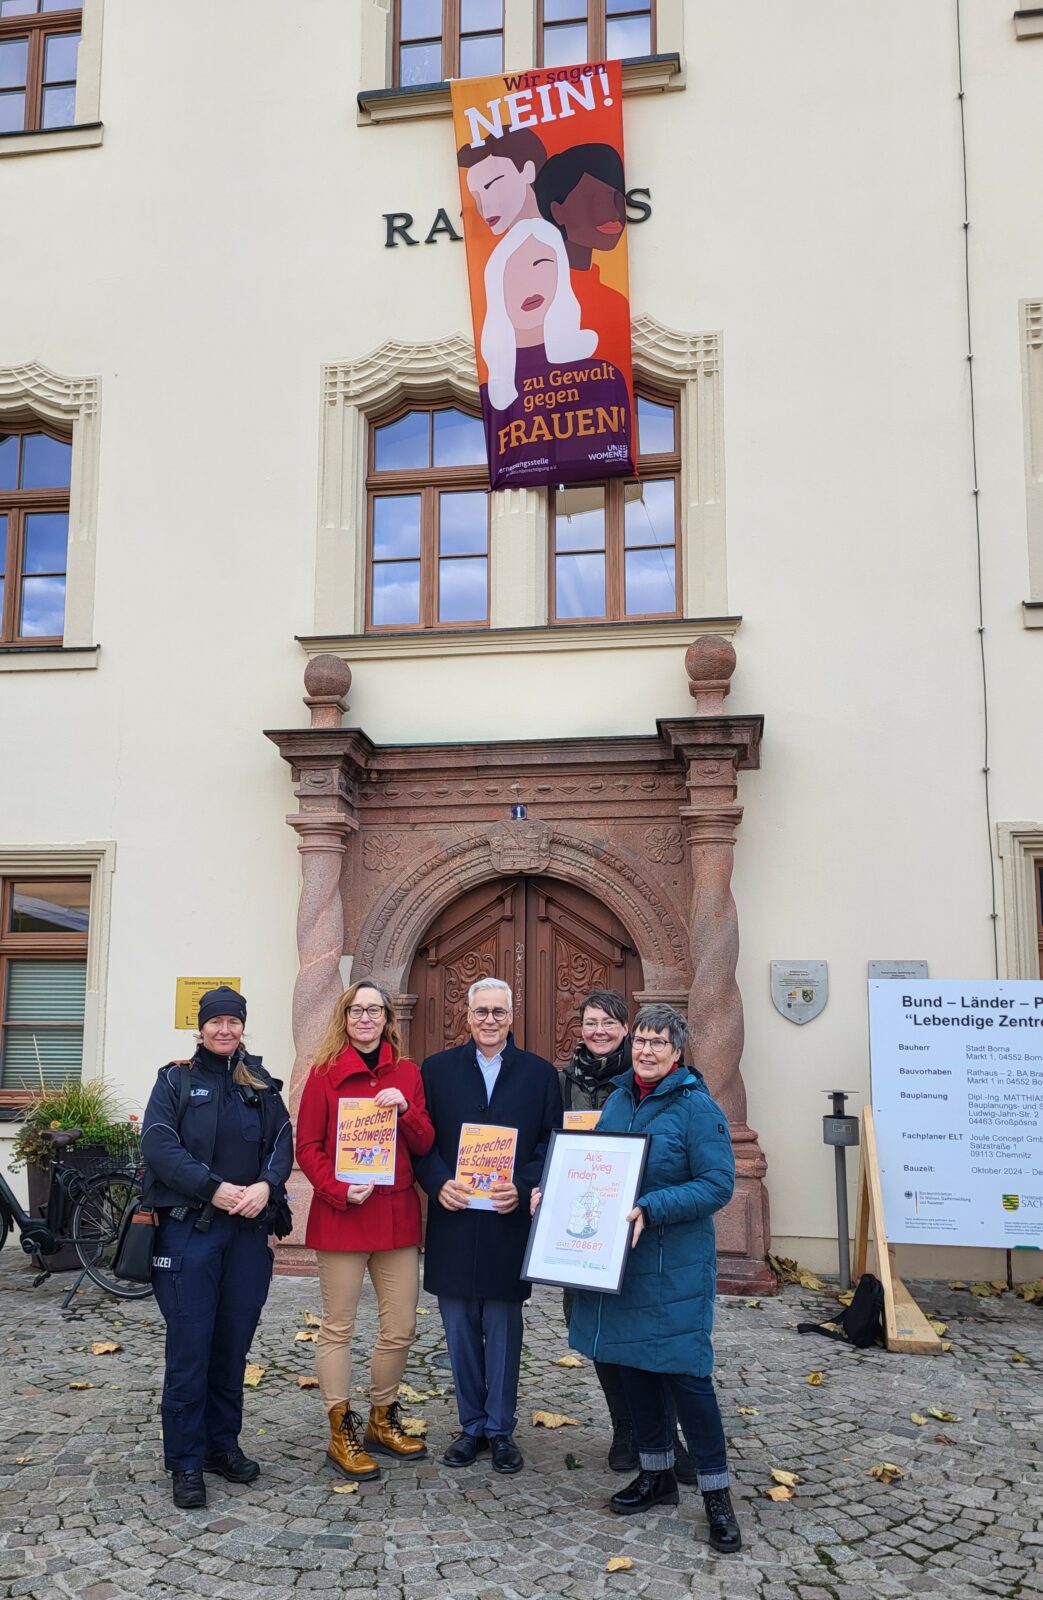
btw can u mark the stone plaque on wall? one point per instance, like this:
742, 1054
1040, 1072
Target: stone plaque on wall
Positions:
898, 969
799, 989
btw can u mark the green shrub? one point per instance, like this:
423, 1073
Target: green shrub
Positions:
92, 1107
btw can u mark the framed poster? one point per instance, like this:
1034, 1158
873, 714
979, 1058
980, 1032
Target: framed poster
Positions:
580, 1236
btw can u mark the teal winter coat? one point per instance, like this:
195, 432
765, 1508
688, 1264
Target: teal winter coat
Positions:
662, 1320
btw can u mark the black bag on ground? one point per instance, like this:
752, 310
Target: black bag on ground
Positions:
861, 1323
136, 1240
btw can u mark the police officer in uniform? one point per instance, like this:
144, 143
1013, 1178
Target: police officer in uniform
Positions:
217, 1140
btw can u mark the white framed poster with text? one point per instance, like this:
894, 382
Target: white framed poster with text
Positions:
580, 1236
957, 1071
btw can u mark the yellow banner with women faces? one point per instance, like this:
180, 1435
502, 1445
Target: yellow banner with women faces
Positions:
540, 159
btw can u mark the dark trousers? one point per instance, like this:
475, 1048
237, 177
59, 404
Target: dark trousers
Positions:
211, 1288
484, 1338
608, 1374
698, 1413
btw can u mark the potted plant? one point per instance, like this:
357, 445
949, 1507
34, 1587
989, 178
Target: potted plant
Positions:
108, 1137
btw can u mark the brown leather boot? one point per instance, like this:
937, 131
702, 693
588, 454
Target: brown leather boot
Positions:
384, 1432
345, 1449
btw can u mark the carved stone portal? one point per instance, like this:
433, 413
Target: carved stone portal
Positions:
391, 836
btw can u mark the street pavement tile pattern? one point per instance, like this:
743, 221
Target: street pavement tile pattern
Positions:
85, 1507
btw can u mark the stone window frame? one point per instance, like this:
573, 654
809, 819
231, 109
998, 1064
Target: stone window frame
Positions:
87, 130
1020, 849
356, 392
378, 100
95, 860
1031, 320
72, 405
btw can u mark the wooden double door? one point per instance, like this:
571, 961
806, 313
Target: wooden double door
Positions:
551, 942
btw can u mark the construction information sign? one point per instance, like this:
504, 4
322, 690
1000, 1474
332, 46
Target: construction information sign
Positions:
958, 1108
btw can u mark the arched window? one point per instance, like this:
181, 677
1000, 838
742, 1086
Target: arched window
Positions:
615, 546
35, 472
428, 520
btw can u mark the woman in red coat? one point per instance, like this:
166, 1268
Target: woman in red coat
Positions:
352, 1226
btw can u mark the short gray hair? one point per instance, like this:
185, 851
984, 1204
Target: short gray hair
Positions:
491, 983
661, 1018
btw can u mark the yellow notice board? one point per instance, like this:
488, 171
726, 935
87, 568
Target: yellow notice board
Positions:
190, 991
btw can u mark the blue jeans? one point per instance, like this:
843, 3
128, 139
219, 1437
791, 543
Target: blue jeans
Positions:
211, 1288
484, 1338
698, 1413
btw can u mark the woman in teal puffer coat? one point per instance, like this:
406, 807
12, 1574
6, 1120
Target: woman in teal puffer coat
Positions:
657, 1330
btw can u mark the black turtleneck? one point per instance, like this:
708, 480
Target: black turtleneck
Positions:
369, 1057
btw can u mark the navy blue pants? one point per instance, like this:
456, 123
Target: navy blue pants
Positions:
211, 1288
698, 1413
484, 1339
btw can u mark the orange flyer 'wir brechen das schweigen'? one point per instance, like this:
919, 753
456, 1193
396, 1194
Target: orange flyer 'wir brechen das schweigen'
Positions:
485, 1157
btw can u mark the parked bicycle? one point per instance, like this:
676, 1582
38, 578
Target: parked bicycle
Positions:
84, 1210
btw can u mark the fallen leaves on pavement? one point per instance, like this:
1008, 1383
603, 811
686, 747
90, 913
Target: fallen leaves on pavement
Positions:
885, 1472
415, 1427
105, 1347
253, 1375
83, 1384
748, 1411
553, 1419
310, 1320
345, 1488
569, 1361
815, 1378
789, 1480
307, 1383
789, 1271
305, 1336
618, 1564
780, 1492
914, 1416
943, 1416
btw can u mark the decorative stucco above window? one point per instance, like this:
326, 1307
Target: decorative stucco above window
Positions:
71, 405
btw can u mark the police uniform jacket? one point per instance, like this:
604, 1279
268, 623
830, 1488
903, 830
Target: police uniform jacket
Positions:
477, 1255
390, 1218
181, 1159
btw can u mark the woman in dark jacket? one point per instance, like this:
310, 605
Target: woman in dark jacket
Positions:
353, 1227
657, 1330
601, 1055
219, 1148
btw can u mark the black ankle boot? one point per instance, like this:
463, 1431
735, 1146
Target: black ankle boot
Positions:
724, 1530
684, 1467
622, 1452
647, 1490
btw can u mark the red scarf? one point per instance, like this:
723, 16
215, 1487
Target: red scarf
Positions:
644, 1089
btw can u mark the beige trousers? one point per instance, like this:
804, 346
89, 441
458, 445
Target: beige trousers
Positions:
395, 1275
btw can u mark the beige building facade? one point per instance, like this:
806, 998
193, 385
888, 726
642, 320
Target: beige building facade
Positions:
215, 323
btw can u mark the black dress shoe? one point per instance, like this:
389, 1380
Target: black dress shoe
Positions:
189, 1490
684, 1469
622, 1452
463, 1448
647, 1490
232, 1464
720, 1514
506, 1455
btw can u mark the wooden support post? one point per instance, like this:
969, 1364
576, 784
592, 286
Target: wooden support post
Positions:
905, 1326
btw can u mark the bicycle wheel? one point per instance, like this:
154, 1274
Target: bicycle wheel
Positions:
96, 1221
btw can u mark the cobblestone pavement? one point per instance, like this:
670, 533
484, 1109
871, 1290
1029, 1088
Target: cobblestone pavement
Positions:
85, 1508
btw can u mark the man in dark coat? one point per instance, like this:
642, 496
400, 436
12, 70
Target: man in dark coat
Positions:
473, 1256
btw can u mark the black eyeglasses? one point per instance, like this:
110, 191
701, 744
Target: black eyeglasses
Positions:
498, 1014
357, 1012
